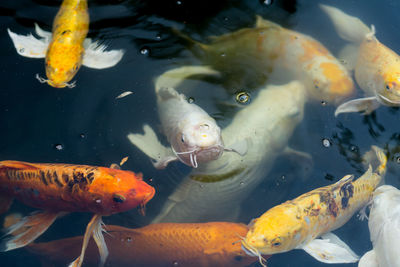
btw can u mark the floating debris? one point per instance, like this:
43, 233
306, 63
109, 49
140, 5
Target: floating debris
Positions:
126, 93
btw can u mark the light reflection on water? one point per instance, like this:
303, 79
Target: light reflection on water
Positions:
91, 125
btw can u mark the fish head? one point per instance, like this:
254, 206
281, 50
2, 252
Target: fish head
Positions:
199, 142
114, 191
62, 63
274, 232
389, 91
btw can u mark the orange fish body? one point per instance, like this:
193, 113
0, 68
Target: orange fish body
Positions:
164, 244
72, 188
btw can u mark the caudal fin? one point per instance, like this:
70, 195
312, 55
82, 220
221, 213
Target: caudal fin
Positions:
348, 27
30, 228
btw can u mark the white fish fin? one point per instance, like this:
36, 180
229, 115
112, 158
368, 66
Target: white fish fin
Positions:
330, 249
42, 33
28, 229
349, 28
101, 244
365, 105
348, 55
94, 225
149, 144
173, 78
346, 178
163, 162
96, 57
28, 45
369, 260
262, 23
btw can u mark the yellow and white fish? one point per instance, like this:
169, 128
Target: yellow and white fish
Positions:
215, 190
66, 49
271, 52
297, 223
384, 227
194, 135
376, 67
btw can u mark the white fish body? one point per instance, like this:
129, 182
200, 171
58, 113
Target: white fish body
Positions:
215, 190
384, 227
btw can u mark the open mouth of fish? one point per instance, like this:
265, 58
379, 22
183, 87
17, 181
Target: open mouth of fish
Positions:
386, 100
200, 155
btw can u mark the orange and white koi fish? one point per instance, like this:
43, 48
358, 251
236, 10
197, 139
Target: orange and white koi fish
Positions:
66, 49
376, 67
272, 52
384, 228
61, 188
297, 223
192, 244
194, 135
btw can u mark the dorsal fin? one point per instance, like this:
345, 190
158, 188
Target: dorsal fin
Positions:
262, 23
13, 164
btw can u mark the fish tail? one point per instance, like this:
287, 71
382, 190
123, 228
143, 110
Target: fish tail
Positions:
348, 27
30, 228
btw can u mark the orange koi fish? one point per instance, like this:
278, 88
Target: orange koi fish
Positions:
163, 244
66, 49
376, 66
61, 188
297, 223
270, 51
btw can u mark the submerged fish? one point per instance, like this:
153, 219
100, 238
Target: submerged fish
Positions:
194, 136
376, 67
384, 227
165, 244
297, 223
61, 188
216, 189
271, 51
66, 49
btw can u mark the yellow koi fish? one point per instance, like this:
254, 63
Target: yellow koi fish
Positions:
297, 223
66, 49
270, 52
376, 67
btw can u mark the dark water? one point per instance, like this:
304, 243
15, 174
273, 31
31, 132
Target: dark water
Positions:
90, 125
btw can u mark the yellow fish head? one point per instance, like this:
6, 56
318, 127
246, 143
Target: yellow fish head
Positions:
273, 233
389, 92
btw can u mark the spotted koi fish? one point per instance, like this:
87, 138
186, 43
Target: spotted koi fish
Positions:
297, 223
66, 49
191, 244
251, 56
61, 188
376, 66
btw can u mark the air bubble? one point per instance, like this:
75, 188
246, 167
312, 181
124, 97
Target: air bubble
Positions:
323, 103
179, 3
326, 142
243, 97
59, 146
145, 51
22, 50
397, 158
82, 135
190, 100
175, 263
266, 2
354, 148
223, 54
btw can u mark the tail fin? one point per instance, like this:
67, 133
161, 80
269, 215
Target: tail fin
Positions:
348, 27
377, 159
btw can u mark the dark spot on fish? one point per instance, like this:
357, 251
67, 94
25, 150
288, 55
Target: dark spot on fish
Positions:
333, 208
90, 177
42, 177
238, 258
329, 201
346, 192
49, 177
314, 212
65, 32
55, 178
65, 178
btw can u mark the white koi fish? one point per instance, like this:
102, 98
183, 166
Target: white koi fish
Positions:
215, 190
194, 136
384, 227
376, 67
66, 49
297, 223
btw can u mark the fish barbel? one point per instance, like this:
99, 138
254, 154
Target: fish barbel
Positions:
297, 223
61, 188
66, 49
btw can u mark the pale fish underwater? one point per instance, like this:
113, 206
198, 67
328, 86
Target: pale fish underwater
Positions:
384, 227
376, 67
194, 135
315, 214
216, 190
193, 244
66, 49
251, 56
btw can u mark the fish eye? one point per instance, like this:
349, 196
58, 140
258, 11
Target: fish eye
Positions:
118, 198
183, 138
276, 242
388, 87
205, 126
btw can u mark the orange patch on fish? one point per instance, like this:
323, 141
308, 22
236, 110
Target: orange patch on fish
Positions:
340, 84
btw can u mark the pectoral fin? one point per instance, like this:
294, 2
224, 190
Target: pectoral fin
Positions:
96, 57
368, 260
28, 45
330, 249
365, 105
148, 143
42, 33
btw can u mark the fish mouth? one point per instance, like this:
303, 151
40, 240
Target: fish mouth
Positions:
247, 251
385, 100
200, 154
